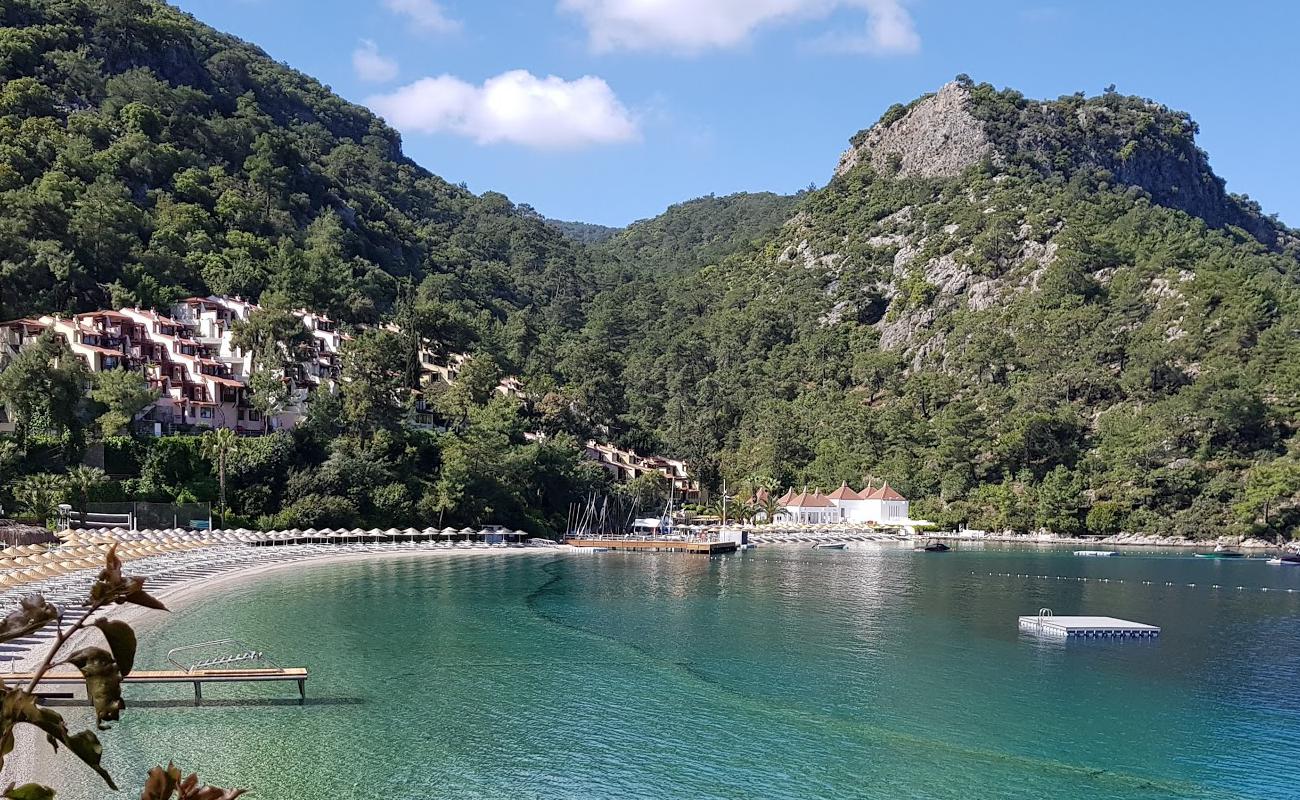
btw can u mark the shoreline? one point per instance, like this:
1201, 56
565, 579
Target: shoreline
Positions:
33, 760
180, 595
1119, 540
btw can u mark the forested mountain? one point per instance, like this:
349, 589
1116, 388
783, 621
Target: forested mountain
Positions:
699, 232
145, 156
1022, 313
584, 232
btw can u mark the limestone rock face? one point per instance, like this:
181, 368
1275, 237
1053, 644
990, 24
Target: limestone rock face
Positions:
937, 138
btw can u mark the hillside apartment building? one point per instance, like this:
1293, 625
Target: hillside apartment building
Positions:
201, 378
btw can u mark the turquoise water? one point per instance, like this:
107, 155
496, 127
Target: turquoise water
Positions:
777, 673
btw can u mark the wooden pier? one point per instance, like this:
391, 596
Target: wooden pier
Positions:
1046, 624
198, 678
657, 545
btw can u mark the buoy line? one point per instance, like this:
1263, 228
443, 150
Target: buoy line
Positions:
1084, 579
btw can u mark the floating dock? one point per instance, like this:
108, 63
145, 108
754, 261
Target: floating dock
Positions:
657, 545
1047, 624
198, 678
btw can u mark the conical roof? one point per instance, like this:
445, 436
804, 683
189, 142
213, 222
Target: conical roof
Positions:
845, 493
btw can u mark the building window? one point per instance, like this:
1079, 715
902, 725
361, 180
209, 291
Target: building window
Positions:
205, 413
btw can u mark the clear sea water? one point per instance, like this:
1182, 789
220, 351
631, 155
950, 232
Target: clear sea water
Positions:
776, 673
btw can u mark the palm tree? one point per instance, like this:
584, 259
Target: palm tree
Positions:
715, 509
80, 482
218, 446
39, 495
771, 507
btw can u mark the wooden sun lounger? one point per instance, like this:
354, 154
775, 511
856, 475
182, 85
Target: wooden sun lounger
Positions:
197, 677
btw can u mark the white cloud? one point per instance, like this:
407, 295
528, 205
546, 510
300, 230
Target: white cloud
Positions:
890, 31
514, 107
426, 15
370, 65
692, 26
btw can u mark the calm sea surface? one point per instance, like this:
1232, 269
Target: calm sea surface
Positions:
777, 673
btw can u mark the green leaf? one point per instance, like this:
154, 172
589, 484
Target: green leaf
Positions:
17, 706
103, 682
121, 640
35, 613
143, 598
86, 746
29, 791
114, 587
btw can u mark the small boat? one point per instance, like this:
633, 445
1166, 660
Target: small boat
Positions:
1096, 553
1286, 558
828, 546
1220, 551
933, 547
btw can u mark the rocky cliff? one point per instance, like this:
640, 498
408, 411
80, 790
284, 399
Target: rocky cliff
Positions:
1135, 141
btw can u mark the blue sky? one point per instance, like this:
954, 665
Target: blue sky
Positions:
609, 110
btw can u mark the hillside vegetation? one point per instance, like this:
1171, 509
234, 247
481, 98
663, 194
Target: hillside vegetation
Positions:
1021, 332
145, 157
1023, 313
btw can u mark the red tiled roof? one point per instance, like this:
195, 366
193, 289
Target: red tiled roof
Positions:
885, 492
845, 493
223, 381
805, 500
104, 313
27, 322
106, 351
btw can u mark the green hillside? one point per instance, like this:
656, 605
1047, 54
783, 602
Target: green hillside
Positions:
1023, 313
1026, 330
145, 157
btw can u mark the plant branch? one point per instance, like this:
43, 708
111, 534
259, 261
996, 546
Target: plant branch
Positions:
61, 640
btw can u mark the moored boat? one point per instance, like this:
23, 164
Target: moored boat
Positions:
1286, 558
828, 546
931, 546
1220, 551
1096, 553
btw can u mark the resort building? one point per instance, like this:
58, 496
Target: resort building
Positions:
189, 358
626, 465
441, 371
808, 509
201, 378
881, 505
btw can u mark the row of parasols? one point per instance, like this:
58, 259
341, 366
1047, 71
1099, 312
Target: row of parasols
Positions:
34, 562
293, 535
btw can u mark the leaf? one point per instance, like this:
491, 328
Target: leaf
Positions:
17, 706
86, 746
113, 587
36, 612
213, 793
29, 791
161, 783
143, 598
121, 640
103, 682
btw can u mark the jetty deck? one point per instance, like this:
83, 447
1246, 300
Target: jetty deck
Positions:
657, 545
1087, 627
197, 678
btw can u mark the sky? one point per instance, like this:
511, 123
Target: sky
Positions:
608, 111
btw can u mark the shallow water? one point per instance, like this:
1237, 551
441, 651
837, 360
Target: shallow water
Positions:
776, 673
